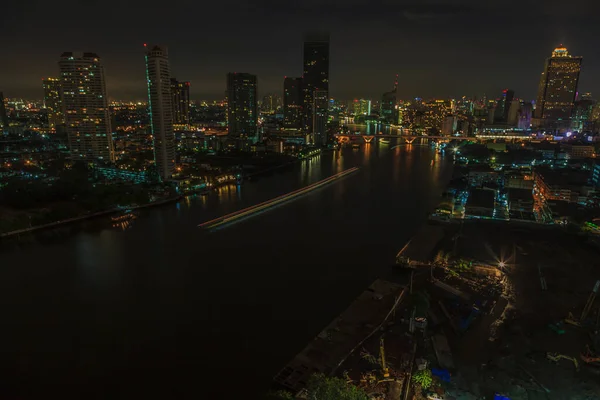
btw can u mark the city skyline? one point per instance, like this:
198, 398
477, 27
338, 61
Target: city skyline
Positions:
361, 66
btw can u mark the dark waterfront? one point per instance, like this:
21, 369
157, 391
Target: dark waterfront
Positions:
164, 307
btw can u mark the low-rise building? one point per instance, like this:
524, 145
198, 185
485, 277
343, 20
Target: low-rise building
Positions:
480, 203
518, 180
562, 185
578, 150
482, 174
520, 200
547, 149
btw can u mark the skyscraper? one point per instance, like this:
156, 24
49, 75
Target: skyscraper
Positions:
361, 107
87, 122
507, 98
3, 115
558, 87
180, 98
319, 126
388, 110
315, 73
270, 103
242, 115
53, 101
292, 102
161, 109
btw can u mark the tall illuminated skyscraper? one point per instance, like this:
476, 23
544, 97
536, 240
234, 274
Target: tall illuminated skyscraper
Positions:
292, 102
85, 105
315, 73
161, 112
180, 92
558, 87
389, 111
53, 102
3, 115
242, 112
320, 108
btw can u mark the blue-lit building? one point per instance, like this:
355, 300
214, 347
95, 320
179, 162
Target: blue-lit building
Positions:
118, 174
596, 175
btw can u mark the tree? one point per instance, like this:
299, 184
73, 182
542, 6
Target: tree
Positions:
321, 387
441, 260
279, 395
423, 378
459, 266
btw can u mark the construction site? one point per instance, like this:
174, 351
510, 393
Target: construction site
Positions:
473, 310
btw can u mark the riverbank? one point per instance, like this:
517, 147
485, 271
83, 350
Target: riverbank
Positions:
115, 210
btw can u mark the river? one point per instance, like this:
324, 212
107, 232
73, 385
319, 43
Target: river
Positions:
165, 307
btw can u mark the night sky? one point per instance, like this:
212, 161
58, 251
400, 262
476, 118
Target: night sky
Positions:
439, 48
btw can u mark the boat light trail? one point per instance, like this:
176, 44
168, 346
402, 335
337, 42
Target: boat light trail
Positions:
253, 210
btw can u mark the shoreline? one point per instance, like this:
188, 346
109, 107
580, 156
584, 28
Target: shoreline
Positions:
54, 224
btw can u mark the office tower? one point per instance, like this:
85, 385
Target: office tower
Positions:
53, 101
513, 112
85, 107
292, 103
525, 113
242, 115
161, 109
3, 114
319, 126
388, 110
270, 103
315, 72
582, 114
506, 99
558, 87
180, 99
361, 107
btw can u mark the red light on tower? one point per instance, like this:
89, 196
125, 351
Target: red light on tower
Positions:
145, 45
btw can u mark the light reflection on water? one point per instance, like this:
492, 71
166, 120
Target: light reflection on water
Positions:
303, 261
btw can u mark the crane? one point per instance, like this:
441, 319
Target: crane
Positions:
588, 357
557, 357
384, 368
586, 309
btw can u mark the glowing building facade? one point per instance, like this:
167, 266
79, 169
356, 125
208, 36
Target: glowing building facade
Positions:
87, 121
558, 87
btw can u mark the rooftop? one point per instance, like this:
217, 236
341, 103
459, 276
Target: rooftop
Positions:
481, 198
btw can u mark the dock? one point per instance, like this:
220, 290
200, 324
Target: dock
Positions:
344, 334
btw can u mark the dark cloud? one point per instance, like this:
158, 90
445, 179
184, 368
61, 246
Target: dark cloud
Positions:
439, 47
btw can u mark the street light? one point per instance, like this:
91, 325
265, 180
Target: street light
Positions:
501, 264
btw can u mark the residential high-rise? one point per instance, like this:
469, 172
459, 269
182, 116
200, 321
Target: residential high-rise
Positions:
315, 73
242, 113
389, 111
53, 102
85, 106
3, 115
161, 109
319, 125
558, 87
180, 98
292, 103
270, 103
